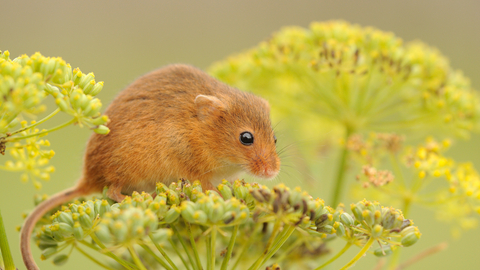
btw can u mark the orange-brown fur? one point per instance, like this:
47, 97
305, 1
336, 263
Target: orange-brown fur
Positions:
173, 122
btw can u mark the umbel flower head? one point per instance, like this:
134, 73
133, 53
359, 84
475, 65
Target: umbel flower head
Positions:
438, 183
362, 78
247, 225
24, 83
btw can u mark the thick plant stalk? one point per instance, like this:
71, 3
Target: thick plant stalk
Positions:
7, 255
342, 167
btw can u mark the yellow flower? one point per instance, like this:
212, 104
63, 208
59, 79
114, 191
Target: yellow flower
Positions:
360, 77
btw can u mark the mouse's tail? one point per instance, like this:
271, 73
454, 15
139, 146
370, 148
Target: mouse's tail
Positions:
35, 215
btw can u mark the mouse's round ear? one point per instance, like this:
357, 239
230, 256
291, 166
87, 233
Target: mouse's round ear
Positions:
208, 107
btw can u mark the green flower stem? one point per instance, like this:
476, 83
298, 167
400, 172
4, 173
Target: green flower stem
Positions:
213, 242
342, 166
14, 139
135, 258
92, 258
279, 243
287, 251
184, 245
194, 246
158, 259
394, 261
6, 254
209, 253
109, 253
275, 231
246, 245
243, 249
179, 253
359, 254
340, 253
37, 123
230, 248
164, 254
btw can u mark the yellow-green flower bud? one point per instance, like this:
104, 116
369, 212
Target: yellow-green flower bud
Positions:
240, 192
96, 89
357, 212
63, 104
65, 217
100, 120
102, 232
85, 80
48, 252
172, 197
85, 221
93, 108
88, 87
377, 230
188, 209
383, 251
60, 259
340, 230
161, 235
368, 217
119, 230
225, 191
52, 90
410, 239
347, 219
216, 212
172, 214
65, 229
78, 231
102, 130
104, 207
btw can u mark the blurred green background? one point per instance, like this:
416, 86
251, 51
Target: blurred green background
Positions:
120, 40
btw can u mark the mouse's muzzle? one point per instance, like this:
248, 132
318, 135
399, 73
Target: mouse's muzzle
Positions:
265, 166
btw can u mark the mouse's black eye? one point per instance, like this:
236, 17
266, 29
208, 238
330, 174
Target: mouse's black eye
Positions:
246, 138
275, 139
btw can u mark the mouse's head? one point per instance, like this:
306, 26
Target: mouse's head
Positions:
240, 129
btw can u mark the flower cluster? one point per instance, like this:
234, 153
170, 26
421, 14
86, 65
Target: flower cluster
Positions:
30, 158
458, 202
373, 149
250, 222
363, 78
24, 83
425, 176
383, 224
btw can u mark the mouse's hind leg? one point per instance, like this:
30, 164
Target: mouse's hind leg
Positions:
115, 193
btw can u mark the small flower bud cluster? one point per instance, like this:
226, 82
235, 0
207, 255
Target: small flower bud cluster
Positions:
161, 220
382, 223
460, 205
25, 81
21, 90
24, 84
374, 177
29, 158
375, 147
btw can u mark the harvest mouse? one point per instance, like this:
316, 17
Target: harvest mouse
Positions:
175, 122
